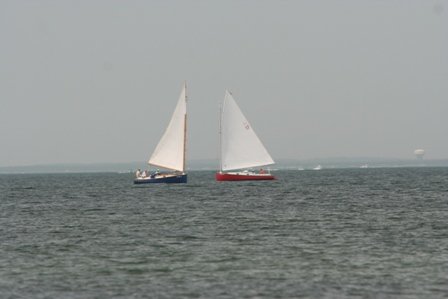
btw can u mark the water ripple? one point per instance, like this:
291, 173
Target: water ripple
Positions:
334, 233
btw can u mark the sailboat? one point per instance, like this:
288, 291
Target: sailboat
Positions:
240, 147
170, 151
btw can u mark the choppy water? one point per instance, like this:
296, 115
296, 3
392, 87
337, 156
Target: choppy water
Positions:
360, 233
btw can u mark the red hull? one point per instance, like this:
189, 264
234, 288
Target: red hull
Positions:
221, 176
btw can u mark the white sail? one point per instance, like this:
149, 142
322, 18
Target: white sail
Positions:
240, 146
170, 152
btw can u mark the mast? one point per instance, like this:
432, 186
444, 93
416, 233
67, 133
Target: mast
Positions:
220, 137
185, 127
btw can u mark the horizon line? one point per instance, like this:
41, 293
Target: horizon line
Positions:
279, 160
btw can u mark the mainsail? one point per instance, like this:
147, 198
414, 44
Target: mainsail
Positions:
240, 146
170, 151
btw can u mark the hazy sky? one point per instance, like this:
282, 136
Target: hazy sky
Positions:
97, 81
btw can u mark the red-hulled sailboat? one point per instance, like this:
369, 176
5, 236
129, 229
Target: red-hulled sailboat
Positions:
240, 147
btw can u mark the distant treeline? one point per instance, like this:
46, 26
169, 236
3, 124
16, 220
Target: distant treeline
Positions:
213, 165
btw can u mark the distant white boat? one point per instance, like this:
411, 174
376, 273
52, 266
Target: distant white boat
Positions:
364, 166
318, 167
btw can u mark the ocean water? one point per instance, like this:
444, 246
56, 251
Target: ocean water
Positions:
347, 233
